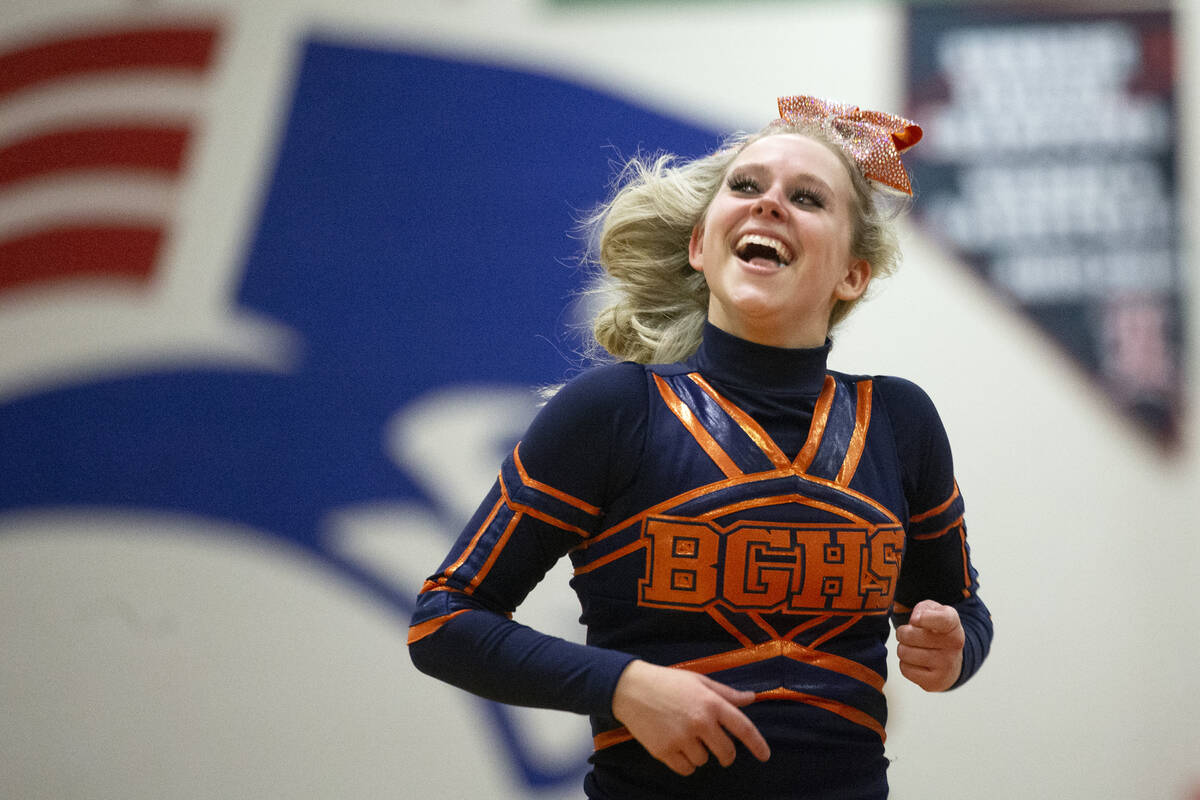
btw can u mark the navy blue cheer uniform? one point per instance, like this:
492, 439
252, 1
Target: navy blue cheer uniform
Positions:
746, 514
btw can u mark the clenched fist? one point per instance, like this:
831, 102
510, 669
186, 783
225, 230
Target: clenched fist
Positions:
930, 646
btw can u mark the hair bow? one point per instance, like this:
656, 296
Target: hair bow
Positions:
873, 139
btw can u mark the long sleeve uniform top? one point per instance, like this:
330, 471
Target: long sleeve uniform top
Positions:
747, 514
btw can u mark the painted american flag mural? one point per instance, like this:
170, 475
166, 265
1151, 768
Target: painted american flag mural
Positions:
95, 137
419, 314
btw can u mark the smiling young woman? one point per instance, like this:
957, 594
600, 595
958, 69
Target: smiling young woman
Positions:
774, 245
745, 524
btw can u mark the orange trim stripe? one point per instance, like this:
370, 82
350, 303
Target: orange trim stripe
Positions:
466, 553
678, 499
757, 619
546, 488
933, 512
721, 620
858, 439
419, 631
494, 555
924, 537
835, 663
841, 709
751, 428
702, 436
962, 536
611, 557
819, 421
610, 738
518, 510
802, 627
778, 648
548, 519
780, 499
825, 637
887, 512
618, 735
692, 494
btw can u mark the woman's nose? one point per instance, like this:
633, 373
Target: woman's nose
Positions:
767, 205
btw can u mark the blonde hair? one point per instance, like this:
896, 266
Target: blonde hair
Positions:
650, 303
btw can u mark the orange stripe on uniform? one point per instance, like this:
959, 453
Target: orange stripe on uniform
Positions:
746, 423
817, 431
924, 537
462, 559
618, 735
610, 738
729, 627
858, 439
548, 519
825, 637
497, 549
702, 436
419, 631
611, 557
841, 709
780, 499
670, 503
777, 648
803, 626
962, 538
546, 488
933, 512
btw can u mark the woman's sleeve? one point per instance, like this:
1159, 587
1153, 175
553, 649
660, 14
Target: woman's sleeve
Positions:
548, 498
937, 558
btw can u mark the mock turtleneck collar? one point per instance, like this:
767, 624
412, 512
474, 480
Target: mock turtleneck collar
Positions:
727, 358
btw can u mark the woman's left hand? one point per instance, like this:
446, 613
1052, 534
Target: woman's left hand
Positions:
930, 646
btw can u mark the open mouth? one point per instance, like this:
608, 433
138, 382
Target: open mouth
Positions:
754, 248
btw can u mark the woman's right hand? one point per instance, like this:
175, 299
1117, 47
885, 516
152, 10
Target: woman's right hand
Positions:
680, 717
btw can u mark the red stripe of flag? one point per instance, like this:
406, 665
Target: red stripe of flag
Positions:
187, 48
124, 252
158, 148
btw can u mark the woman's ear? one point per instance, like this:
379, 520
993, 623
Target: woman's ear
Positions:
854, 283
696, 248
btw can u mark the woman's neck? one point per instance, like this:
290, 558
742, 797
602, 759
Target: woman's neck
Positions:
735, 360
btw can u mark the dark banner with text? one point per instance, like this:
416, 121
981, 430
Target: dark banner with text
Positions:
1049, 167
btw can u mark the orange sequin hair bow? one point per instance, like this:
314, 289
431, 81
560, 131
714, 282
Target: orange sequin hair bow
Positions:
873, 139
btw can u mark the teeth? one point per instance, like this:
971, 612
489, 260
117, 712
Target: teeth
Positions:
781, 249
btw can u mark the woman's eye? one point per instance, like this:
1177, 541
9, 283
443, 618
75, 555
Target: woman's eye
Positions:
804, 197
744, 185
